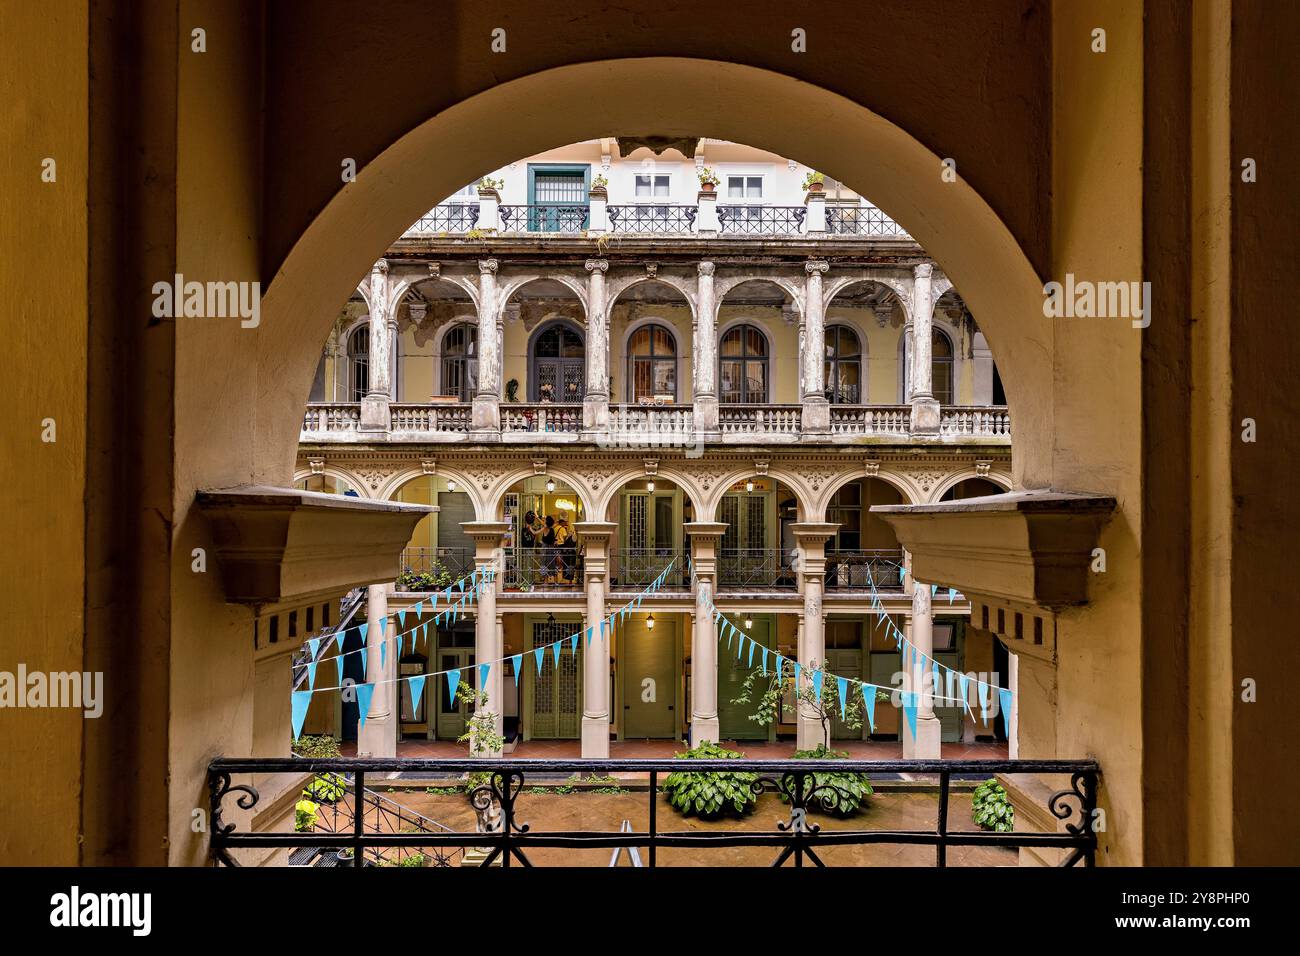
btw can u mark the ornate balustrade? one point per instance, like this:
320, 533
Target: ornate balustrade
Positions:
975, 421
543, 218
762, 220
451, 218
862, 221
650, 424
652, 220
772, 422
541, 417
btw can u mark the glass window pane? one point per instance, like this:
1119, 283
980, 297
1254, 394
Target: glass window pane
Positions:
756, 344
755, 187
731, 342
640, 341
661, 185
663, 341
665, 378
643, 185
941, 348
735, 187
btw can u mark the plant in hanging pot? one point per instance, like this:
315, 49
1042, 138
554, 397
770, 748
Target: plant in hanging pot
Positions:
708, 179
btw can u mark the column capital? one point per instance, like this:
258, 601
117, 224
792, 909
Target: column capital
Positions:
486, 534
488, 266
597, 265
706, 268
814, 532
816, 267
923, 270
381, 265
706, 529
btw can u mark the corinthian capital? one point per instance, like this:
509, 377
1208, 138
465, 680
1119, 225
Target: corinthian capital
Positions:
597, 265
487, 266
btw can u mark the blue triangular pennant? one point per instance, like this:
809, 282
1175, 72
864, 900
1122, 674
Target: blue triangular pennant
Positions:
312, 645
383, 625
752, 645
383, 656
764, 650
362, 628
311, 679
483, 670
364, 693
453, 683
984, 702
817, 678
518, 662
401, 620
952, 595
869, 705
299, 706
417, 688
573, 642
1004, 705
842, 684
909, 711
780, 670
538, 654
590, 631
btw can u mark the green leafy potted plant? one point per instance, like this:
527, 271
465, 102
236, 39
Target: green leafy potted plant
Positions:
814, 182
304, 815
991, 808
489, 185
839, 794
710, 795
599, 187
708, 179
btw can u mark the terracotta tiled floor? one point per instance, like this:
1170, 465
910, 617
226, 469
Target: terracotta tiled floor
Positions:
559, 749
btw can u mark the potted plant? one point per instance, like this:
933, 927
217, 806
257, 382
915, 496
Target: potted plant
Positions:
708, 179
599, 188
490, 187
814, 182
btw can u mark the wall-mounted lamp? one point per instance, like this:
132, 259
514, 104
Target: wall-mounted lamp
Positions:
749, 622
550, 485
650, 622
749, 484
650, 485
451, 484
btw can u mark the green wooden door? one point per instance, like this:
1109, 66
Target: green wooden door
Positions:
555, 693
844, 663
651, 534
733, 719
558, 197
452, 714
648, 659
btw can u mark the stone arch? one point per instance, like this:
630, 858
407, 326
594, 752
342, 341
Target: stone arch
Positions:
611, 486
902, 290
797, 483
498, 485
394, 482
512, 285
616, 286
333, 471
911, 494
832, 133
725, 285
951, 481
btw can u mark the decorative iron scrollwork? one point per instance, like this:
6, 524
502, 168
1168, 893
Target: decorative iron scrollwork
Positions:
219, 785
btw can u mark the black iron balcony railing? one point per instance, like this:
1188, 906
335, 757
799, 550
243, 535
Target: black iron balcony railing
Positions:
510, 840
432, 569
862, 221
654, 220
762, 220
638, 567
756, 569
543, 569
380, 815
544, 218
450, 217
863, 570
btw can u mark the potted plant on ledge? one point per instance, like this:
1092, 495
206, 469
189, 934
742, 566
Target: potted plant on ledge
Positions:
814, 182
708, 179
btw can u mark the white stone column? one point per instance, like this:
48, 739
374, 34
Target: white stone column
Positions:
816, 414
982, 368
488, 647
378, 738
375, 415
1013, 718
486, 413
812, 537
925, 409
595, 404
705, 536
595, 537
705, 375
926, 744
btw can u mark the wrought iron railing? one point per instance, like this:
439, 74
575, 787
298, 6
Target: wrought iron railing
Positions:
762, 220
348, 607
864, 570
756, 568
797, 838
862, 221
544, 218
432, 569
656, 220
543, 569
450, 217
639, 567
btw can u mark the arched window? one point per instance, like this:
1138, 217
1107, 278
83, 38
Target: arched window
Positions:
843, 366
743, 367
941, 369
652, 365
558, 364
359, 363
460, 362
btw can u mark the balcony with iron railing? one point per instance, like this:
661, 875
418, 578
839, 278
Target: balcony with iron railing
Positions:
864, 570
756, 569
638, 568
543, 569
652, 424
798, 819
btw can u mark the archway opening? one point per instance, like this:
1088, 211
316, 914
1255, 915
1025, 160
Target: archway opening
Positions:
541, 547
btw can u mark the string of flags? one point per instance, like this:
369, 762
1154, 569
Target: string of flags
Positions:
301, 699
913, 658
